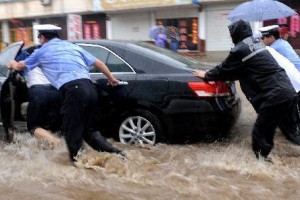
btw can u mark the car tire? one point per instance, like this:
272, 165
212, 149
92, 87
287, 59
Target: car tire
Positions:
139, 127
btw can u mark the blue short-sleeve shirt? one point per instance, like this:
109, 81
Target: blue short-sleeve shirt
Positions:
285, 49
61, 61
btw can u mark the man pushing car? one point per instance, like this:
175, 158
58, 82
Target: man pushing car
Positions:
66, 66
265, 84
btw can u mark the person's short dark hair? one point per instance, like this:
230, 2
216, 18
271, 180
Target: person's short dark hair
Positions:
49, 34
275, 33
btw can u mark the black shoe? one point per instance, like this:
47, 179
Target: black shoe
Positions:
269, 160
74, 155
121, 153
295, 138
99, 143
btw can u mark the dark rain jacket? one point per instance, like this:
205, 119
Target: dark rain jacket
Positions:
262, 80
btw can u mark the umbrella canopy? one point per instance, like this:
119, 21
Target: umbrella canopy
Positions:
154, 30
260, 10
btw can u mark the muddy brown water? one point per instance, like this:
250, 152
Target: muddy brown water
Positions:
223, 170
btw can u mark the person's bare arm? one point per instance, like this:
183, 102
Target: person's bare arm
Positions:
199, 73
18, 66
104, 69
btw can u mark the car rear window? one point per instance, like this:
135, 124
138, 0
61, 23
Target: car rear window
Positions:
185, 60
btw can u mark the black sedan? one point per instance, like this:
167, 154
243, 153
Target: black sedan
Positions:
160, 99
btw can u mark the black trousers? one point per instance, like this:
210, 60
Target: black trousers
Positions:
79, 98
283, 116
43, 108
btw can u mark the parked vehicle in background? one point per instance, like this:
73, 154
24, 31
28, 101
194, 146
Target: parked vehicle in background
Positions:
161, 100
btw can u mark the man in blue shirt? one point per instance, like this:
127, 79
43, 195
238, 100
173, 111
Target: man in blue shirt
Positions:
66, 66
271, 37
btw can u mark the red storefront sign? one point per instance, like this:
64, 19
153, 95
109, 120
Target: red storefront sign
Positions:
91, 30
74, 27
294, 25
87, 31
96, 31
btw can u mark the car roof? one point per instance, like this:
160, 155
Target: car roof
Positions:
145, 57
151, 59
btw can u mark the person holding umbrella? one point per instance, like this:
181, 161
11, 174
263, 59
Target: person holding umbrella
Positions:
290, 69
264, 83
66, 66
271, 37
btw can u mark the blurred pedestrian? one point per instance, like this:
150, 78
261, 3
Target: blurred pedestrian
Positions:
173, 38
264, 83
160, 38
66, 66
271, 37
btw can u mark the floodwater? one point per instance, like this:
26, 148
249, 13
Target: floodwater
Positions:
225, 170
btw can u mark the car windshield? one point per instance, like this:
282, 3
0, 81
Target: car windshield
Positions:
186, 60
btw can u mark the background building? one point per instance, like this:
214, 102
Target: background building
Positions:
202, 24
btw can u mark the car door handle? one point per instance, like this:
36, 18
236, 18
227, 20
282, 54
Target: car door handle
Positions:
122, 83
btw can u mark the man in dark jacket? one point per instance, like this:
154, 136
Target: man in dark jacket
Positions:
264, 83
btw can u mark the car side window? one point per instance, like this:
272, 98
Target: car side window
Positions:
8, 54
98, 53
113, 62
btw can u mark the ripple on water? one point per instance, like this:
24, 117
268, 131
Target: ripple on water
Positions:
221, 170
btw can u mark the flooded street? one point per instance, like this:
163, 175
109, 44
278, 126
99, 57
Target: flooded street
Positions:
224, 170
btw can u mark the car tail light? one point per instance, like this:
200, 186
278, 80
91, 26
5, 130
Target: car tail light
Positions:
210, 89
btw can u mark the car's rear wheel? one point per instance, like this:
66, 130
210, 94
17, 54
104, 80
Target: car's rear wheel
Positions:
139, 127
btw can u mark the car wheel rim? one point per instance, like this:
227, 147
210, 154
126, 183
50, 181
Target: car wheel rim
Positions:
137, 130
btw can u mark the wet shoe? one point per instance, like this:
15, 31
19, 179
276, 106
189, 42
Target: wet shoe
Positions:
269, 160
295, 138
121, 153
74, 156
99, 143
